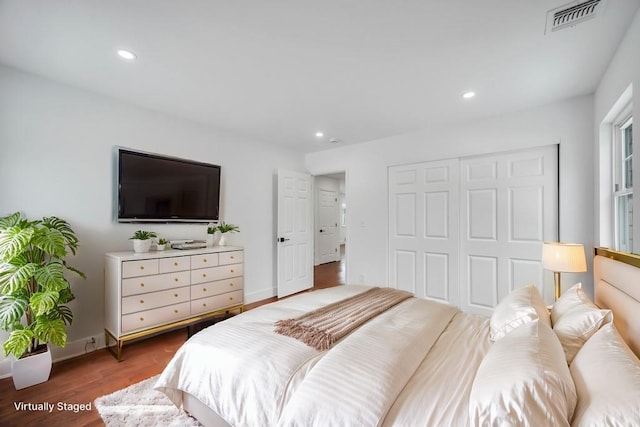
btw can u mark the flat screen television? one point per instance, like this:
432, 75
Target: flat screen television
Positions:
155, 188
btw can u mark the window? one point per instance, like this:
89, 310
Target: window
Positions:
623, 184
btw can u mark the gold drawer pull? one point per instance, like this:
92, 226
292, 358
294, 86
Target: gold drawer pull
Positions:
230, 298
175, 280
232, 257
142, 267
141, 301
204, 289
204, 304
204, 260
175, 264
142, 319
175, 295
232, 270
142, 285
230, 284
175, 311
204, 274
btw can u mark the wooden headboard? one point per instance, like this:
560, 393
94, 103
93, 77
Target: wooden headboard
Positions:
617, 287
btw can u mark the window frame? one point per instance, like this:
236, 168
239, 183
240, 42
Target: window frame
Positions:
621, 189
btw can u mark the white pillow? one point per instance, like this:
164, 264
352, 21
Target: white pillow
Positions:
571, 298
576, 326
607, 379
523, 380
521, 306
575, 318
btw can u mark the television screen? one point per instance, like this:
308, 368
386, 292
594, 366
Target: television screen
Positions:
154, 188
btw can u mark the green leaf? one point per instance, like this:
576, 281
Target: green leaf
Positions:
63, 313
16, 278
53, 331
10, 221
18, 342
13, 241
11, 310
65, 296
65, 229
50, 241
42, 302
50, 276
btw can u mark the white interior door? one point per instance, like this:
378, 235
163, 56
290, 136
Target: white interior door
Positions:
295, 237
327, 235
509, 207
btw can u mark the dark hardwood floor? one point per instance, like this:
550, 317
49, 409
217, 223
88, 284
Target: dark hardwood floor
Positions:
82, 379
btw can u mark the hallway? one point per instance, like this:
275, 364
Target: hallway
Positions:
330, 274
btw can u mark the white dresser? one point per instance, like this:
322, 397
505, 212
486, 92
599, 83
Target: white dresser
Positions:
146, 293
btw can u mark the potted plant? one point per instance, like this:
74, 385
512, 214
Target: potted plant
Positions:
213, 235
34, 291
162, 244
142, 240
224, 228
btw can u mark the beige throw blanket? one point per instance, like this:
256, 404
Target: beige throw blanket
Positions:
323, 327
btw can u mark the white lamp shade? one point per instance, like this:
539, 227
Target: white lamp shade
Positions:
563, 257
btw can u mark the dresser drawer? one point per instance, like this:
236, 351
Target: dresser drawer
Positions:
215, 273
157, 316
208, 289
216, 302
160, 282
203, 261
151, 300
180, 263
235, 257
143, 267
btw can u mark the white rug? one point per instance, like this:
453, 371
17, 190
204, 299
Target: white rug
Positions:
141, 405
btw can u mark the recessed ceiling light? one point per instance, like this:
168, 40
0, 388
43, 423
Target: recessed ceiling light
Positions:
319, 134
125, 54
468, 95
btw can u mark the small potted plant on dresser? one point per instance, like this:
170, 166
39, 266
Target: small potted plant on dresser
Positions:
213, 235
225, 228
33, 288
162, 244
142, 240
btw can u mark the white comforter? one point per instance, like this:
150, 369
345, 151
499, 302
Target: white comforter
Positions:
412, 365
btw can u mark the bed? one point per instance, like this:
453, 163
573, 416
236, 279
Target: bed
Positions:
421, 363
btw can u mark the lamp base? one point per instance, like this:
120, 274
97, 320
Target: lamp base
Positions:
558, 286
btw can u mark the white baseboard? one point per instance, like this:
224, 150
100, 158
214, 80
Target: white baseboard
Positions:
259, 296
72, 349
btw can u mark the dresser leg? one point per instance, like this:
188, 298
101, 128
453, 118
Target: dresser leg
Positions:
119, 343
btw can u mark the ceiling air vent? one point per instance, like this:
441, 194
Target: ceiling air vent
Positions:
572, 14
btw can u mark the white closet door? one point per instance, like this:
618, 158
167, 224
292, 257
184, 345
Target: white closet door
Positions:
423, 229
509, 206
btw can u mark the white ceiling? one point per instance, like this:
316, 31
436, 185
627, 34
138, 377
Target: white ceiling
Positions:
280, 70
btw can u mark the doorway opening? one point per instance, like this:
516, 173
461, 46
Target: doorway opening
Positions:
330, 230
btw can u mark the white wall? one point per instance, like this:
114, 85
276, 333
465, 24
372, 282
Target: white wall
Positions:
568, 123
623, 71
56, 147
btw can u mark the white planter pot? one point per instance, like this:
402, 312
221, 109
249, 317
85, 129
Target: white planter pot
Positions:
213, 239
141, 245
222, 241
31, 370
160, 247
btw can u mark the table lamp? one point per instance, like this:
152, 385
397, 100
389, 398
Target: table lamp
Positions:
563, 258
